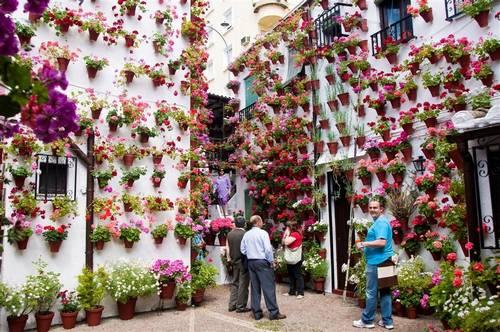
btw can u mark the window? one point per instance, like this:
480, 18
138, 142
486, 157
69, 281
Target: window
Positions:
56, 177
210, 70
229, 55
228, 18
327, 27
392, 11
250, 96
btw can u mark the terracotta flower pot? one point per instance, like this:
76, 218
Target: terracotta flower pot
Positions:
156, 182
333, 147
129, 40
319, 146
126, 310
19, 181
411, 312
99, 245
333, 105
113, 126
43, 321
374, 155
182, 184
182, 241
131, 10
102, 183
431, 192
364, 207
93, 35
17, 323
408, 128
392, 58
488, 80
431, 122
128, 244
33, 17
158, 240
346, 140
91, 72
381, 176
398, 308
386, 135
24, 40
319, 285
414, 67
428, 153
366, 180
407, 153
324, 124
412, 94
436, 255
495, 55
63, 64
167, 290
427, 15
319, 236
198, 296
55, 245
128, 159
222, 239
93, 316
398, 238
322, 253
96, 113
330, 79
434, 90
180, 306
396, 102
344, 98
68, 319
22, 244
129, 76
482, 18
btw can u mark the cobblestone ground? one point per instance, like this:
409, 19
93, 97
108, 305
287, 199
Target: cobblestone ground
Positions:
313, 313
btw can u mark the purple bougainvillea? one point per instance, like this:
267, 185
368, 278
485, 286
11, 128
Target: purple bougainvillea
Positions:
36, 6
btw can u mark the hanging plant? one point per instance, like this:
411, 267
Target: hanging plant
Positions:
489, 47
61, 19
389, 50
129, 7
423, 10
478, 10
131, 175
24, 32
54, 236
94, 64
95, 25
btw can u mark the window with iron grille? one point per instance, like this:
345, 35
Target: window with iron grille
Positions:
327, 27
56, 176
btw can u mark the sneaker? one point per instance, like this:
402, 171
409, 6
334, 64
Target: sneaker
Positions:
381, 323
277, 316
286, 294
360, 324
300, 296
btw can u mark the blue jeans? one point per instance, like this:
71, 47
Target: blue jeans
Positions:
372, 290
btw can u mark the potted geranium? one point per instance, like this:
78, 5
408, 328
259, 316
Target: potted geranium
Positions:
58, 53
55, 236
132, 175
222, 226
91, 292
94, 64
100, 235
129, 234
233, 85
24, 32
129, 7
397, 168
103, 176
432, 82
183, 229
63, 206
145, 133
389, 50
411, 244
184, 292
95, 25
478, 10
157, 176
169, 273
61, 19
159, 233
159, 41
203, 276
20, 235
429, 115
489, 47
19, 173
158, 203
131, 70
70, 308
114, 119
132, 203
483, 72
126, 281
423, 10
363, 173
42, 289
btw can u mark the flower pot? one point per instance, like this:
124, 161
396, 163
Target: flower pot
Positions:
431, 192
128, 244
427, 15
344, 98
158, 240
33, 17
130, 183
360, 141
19, 181
222, 239
431, 122
143, 138
322, 253
333, 105
397, 308
381, 176
91, 72
459, 107
428, 153
198, 296
408, 128
64, 27
182, 184
62, 64
495, 55
330, 79
436, 255
346, 141
319, 236
374, 154
411, 312
349, 174
102, 183
392, 58
398, 238
129, 76
374, 86
156, 182
157, 159
180, 306
126, 310
366, 180
167, 290
380, 109
482, 18
17, 323
319, 146
363, 207
99, 245
412, 94
361, 303
93, 316
316, 110
386, 135
93, 35
182, 241
434, 90
324, 124
362, 5
113, 126
55, 245
414, 67
209, 238
398, 177
96, 113
396, 102
43, 321
488, 80
131, 10
319, 285
68, 319
128, 159
407, 153
22, 244
333, 147
129, 40
24, 40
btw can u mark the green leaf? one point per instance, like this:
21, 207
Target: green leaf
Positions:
9, 107
18, 76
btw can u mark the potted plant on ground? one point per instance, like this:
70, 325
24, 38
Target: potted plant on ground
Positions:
412, 281
169, 273
184, 292
63, 206
132, 175
55, 236
203, 276
126, 281
91, 291
15, 302
42, 289
318, 274
100, 235
103, 176
94, 64
129, 234
70, 308
159, 233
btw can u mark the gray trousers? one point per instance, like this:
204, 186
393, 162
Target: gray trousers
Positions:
262, 280
239, 287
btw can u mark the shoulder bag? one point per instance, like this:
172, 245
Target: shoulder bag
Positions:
387, 274
293, 256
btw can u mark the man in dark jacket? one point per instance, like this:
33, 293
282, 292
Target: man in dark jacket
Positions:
239, 286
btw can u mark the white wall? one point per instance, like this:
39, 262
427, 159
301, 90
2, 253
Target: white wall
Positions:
71, 258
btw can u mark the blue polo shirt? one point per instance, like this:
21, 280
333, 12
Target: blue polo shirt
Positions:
381, 229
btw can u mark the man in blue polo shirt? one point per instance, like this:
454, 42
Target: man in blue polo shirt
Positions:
378, 249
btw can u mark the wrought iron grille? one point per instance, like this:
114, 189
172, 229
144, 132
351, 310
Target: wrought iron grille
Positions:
56, 177
246, 113
327, 27
221, 153
400, 31
487, 177
453, 8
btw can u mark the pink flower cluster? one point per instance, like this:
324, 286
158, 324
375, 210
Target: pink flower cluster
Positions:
167, 270
221, 224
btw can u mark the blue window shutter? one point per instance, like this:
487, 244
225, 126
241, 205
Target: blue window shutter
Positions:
250, 96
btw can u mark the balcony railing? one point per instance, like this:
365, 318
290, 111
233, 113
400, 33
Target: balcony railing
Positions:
246, 113
327, 27
221, 153
400, 31
452, 8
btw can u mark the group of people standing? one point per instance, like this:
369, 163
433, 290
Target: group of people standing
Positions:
252, 258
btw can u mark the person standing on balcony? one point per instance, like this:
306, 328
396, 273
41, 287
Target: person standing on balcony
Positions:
378, 250
222, 187
239, 286
256, 245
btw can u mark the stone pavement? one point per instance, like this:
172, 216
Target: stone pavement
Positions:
313, 313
